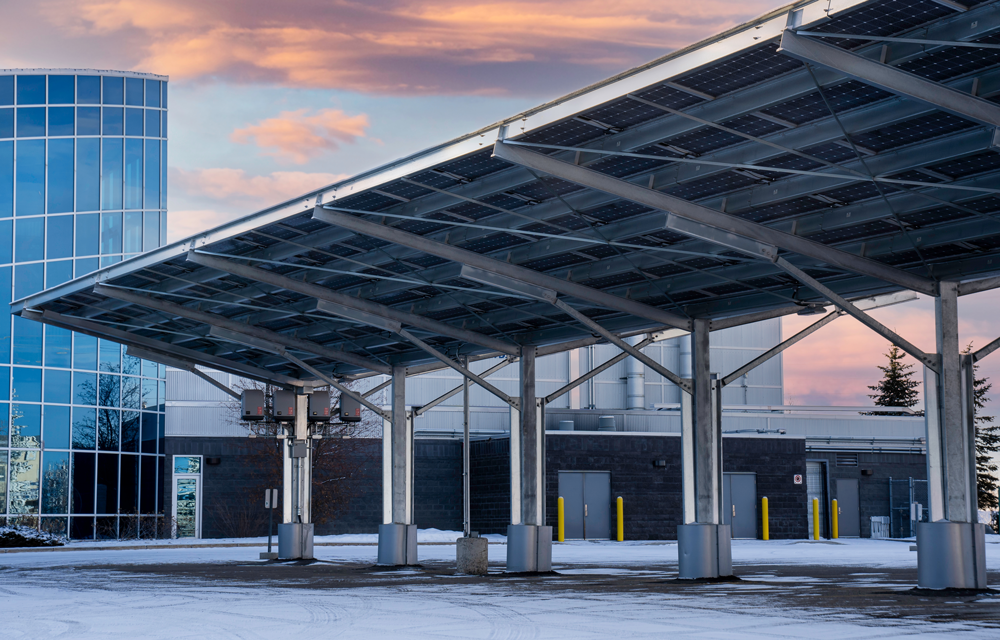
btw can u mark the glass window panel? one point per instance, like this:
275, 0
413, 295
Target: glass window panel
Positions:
112, 119
88, 89
58, 272
31, 122
86, 265
130, 364
6, 123
111, 233
88, 121
56, 430
84, 352
6, 241
132, 227
23, 487
163, 192
55, 526
4, 383
162, 371
152, 123
131, 392
147, 487
187, 464
27, 342
81, 528
148, 369
148, 432
163, 94
31, 89
26, 425
130, 431
163, 221
61, 176
110, 356
58, 350
162, 395
84, 474
149, 394
84, 427
60, 237
28, 279
61, 89
133, 174
110, 390
5, 297
58, 385
114, 90
84, 387
133, 122
29, 241
61, 121
128, 496
133, 91
107, 261
162, 431
6, 92
27, 384
6, 180
152, 174
163, 128
30, 177
4, 431
88, 181
151, 230
152, 93
111, 174
87, 232
108, 424
55, 482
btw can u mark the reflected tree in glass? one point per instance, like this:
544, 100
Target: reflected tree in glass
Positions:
24, 485
55, 482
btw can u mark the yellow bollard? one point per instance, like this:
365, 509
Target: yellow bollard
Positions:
561, 522
834, 511
815, 518
766, 524
621, 519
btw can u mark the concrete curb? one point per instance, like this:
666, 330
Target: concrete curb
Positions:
203, 546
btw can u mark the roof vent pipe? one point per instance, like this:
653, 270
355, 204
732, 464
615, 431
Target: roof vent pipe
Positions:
635, 373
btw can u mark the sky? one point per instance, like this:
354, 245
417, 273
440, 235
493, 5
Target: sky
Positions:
270, 99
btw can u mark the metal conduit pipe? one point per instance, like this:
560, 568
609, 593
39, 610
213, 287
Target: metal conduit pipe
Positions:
635, 373
684, 366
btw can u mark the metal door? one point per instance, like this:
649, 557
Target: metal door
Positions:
571, 491
848, 508
187, 506
586, 504
739, 499
816, 488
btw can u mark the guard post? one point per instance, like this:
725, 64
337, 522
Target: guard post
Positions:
765, 524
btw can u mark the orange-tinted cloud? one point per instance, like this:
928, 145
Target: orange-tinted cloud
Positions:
299, 136
390, 46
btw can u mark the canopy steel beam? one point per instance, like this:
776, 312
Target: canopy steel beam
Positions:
184, 365
216, 320
977, 286
377, 388
419, 411
98, 330
328, 295
943, 43
464, 256
985, 351
931, 361
721, 221
889, 78
869, 302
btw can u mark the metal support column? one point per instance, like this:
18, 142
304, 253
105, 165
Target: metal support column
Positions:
529, 542
466, 458
951, 546
295, 533
397, 540
703, 542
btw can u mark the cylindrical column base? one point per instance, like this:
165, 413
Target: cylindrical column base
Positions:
704, 551
295, 541
529, 548
951, 555
397, 544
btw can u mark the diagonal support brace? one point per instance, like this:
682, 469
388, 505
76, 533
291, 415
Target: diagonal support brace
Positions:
419, 411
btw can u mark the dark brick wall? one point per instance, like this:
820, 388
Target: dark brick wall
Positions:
775, 461
490, 484
437, 485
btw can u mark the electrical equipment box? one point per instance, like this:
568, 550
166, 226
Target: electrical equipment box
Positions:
252, 401
319, 406
350, 409
284, 405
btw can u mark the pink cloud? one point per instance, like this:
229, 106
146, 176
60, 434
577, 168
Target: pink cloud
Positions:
298, 136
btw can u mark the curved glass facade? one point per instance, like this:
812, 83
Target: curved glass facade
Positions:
83, 184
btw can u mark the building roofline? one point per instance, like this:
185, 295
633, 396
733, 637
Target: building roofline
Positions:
101, 72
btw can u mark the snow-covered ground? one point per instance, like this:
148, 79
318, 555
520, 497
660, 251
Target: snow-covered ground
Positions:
68, 594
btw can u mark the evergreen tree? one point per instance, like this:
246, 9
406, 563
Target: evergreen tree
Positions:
987, 441
896, 388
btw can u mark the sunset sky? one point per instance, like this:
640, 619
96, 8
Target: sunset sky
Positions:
271, 99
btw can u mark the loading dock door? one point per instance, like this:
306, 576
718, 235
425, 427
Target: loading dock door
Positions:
587, 503
739, 499
849, 509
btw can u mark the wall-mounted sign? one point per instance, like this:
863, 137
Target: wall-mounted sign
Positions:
798, 478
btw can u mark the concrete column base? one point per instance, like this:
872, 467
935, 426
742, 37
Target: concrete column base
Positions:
704, 551
295, 541
473, 556
951, 555
397, 544
529, 548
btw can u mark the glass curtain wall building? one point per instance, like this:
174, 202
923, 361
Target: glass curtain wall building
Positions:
83, 184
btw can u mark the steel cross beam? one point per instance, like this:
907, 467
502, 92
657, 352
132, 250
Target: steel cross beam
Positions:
889, 78
985, 351
216, 320
931, 361
977, 286
703, 215
530, 276
180, 363
328, 295
865, 303
419, 411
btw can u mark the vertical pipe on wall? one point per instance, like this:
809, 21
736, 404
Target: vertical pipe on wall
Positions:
635, 373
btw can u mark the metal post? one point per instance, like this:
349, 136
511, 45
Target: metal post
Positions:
397, 539
466, 457
295, 534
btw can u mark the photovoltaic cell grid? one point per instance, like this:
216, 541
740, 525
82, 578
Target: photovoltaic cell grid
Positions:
645, 261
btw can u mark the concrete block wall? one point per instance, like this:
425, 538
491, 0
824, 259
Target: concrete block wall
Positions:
490, 484
775, 461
